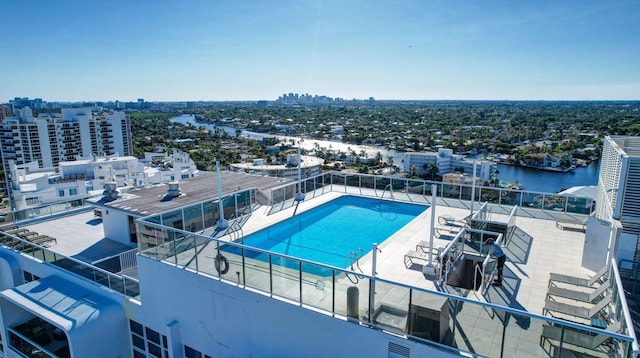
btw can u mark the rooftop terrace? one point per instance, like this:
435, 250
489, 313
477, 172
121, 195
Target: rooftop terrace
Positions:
499, 321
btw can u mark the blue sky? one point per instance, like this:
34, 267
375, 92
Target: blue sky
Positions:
249, 50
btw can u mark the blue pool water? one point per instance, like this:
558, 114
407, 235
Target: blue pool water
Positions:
329, 233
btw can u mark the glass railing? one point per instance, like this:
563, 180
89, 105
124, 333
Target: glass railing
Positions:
47, 210
416, 190
122, 284
428, 316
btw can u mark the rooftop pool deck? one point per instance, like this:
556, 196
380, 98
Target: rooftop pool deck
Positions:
537, 248
534, 252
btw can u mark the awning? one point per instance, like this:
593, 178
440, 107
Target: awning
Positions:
62, 303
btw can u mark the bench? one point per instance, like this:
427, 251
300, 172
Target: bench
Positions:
571, 225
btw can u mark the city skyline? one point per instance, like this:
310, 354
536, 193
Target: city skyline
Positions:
196, 50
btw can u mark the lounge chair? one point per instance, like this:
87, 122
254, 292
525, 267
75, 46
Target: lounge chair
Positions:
581, 296
27, 234
410, 256
43, 240
16, 231
423, 246
450, 231
552, 306
453, 221
577, 338
577, 281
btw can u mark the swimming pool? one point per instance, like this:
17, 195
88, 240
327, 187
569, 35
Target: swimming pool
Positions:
332, 232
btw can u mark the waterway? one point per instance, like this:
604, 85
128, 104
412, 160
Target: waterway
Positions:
530, 179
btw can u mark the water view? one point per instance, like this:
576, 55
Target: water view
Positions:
530, 179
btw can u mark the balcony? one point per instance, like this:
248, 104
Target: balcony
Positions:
39, 338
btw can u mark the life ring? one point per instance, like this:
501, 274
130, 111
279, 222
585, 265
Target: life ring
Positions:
221, 264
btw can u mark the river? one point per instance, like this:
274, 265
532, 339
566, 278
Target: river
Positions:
530, 179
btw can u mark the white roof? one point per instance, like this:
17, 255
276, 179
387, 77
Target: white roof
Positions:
68, 306
588, 191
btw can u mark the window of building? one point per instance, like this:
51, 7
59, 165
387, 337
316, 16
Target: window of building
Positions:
28, 276
33, 201
73, 191
61, 192
147, 342
191, 353
185, 176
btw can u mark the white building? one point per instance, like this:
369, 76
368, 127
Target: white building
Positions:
33, 186
310, 166
193, 290
447, 162
618, 194
53, 138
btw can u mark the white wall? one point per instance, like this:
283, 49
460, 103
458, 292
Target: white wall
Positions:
222, 320
596, 244
116, 225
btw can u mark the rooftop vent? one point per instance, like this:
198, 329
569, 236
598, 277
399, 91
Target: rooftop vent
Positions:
174, 189
110, 191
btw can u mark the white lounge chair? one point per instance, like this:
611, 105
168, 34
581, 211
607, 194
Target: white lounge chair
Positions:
552, 307
579, 295
577, 281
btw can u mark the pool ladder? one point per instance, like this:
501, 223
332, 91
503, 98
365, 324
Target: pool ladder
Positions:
354, 263
388, 186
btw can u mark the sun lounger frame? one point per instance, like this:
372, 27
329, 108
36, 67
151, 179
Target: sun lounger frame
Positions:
577, 338
577, 281
581, 296
551, 306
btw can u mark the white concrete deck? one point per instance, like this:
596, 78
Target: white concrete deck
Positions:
537, 250
80, 236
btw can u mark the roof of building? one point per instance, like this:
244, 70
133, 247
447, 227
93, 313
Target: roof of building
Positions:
153, 200
585, 190
68, 306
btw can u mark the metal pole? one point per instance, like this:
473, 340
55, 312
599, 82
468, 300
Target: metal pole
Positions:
473, 186
222, 223
374, 261
299, 196
433, 222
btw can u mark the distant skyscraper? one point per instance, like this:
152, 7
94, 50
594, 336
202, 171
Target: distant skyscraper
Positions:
141, 103
4, 111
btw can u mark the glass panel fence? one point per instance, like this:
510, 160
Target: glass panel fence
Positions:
317, 286
173, 219
381, 184
554, 202
117, 283
368, 182
285, 277
193, 218
429, 317
390, 307
256, 270
351, 295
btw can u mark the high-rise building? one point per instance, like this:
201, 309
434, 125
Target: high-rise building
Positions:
4, 111
77, 133
619, 193
49, 139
